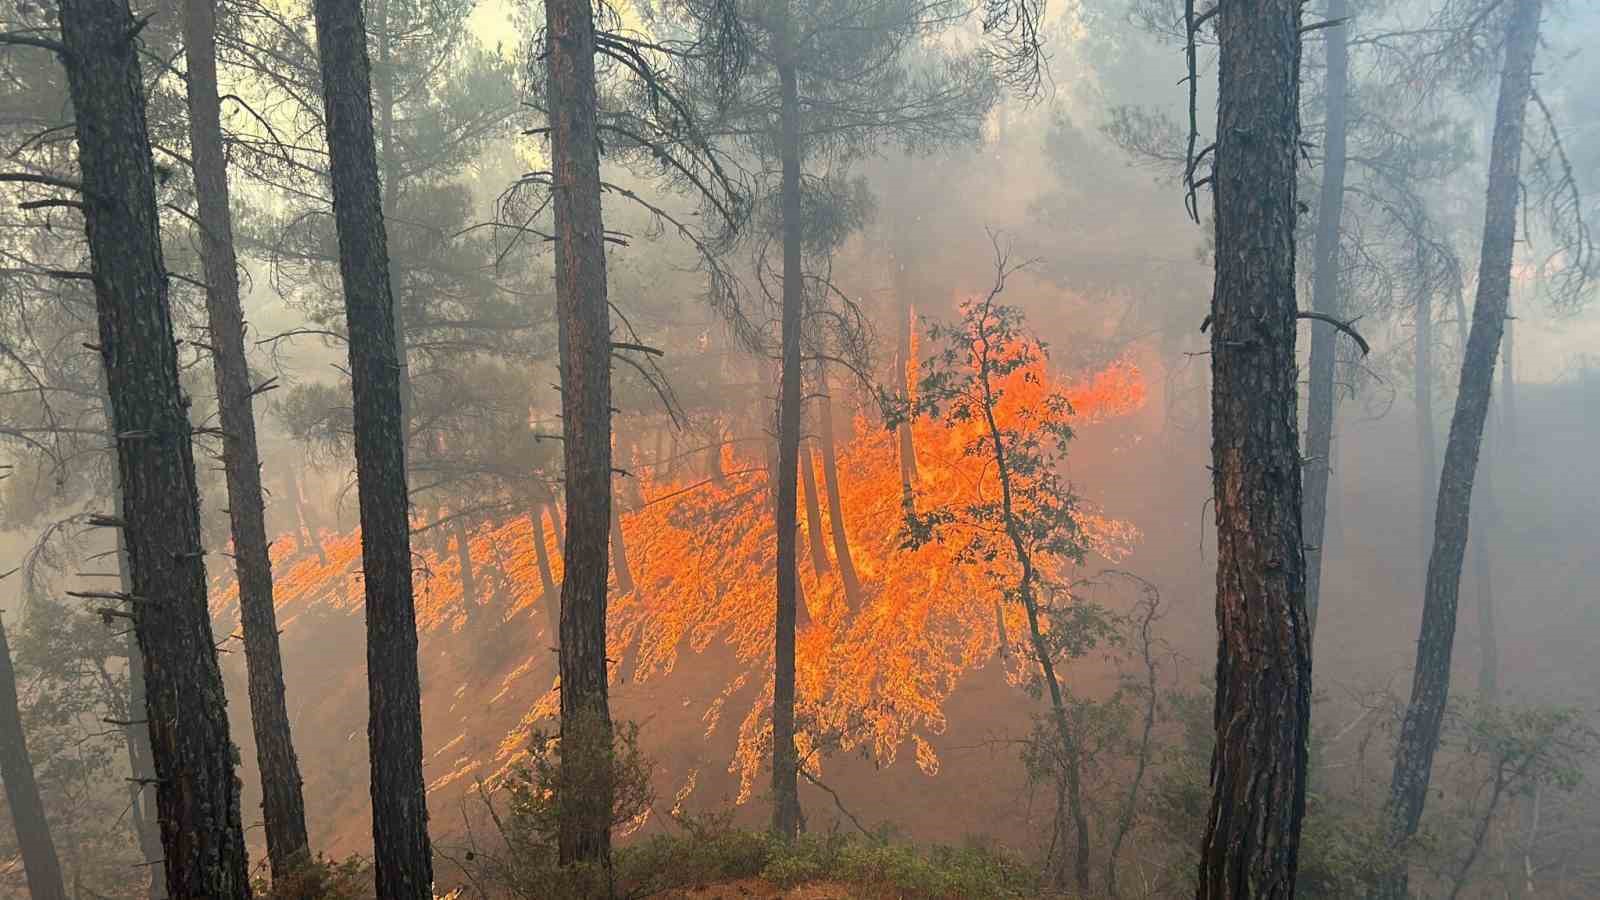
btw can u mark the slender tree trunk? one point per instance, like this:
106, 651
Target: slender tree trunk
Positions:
808, 481
1508, 384
585, 340
283, 807
714, 460
786, 815
197, 794
292, 484
902, 375
1430, 688
1327, 298
1480, 542
39, 861
619, 550
830, 481
469, 583
402, 857
1427, 444
552, 594
1263, 704
1071, 759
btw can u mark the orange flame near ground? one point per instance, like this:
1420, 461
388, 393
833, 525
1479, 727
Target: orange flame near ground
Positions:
873, 677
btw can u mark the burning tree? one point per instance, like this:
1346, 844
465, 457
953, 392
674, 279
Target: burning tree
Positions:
1024, 532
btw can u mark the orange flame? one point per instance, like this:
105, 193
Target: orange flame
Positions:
874, 676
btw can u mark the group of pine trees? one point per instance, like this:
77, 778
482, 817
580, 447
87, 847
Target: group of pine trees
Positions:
798, 93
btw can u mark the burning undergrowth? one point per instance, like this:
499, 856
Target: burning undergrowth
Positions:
875, 663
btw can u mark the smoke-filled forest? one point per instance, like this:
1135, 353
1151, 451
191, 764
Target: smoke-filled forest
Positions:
933, 449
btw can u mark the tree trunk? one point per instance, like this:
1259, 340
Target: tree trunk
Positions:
619, 550
197, 794
1263, 704
585, 339
389, 171
714, 460
1071, 759
1326, 298
1427, 447
402, 858
902, 375
1430, 687
39, 861
283, 807
469, 584
786, 813
830, 481
552, 594
292, 484
808, 481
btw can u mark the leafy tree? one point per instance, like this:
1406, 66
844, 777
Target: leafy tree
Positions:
1027, 534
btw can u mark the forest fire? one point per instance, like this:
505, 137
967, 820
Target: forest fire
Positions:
873, 674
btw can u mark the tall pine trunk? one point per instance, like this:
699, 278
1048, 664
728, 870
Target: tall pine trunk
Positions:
786, 816
1430, 687
1263, 704
196, 794
585, 340
1326, 298
39, 861
830, 481
283, 807
402, 858
1427, 443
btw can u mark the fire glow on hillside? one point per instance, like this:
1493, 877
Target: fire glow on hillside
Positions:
872, 676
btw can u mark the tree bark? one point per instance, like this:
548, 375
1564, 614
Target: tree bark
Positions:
1263, 704
808, 481
585, 341
402, 857
786, 815
1327, 297
197, 794
283, 807
1430, 687
830, 481
39, 860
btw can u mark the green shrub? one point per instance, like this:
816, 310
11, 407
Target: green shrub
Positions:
321, 879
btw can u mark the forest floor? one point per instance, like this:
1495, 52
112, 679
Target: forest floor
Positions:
755, 887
